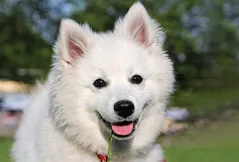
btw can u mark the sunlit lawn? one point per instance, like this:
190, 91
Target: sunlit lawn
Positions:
217, 143
5, 146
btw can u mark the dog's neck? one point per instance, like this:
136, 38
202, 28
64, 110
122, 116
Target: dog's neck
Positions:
121, 145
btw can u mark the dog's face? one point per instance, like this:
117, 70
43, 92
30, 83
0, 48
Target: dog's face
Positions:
111, 82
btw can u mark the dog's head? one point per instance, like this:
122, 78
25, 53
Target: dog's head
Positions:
115, 82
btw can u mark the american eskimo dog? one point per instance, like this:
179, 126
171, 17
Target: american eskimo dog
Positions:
102, 86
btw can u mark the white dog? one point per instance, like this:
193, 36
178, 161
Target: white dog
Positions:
100, 85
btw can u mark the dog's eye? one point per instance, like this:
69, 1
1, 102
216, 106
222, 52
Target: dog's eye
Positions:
136, 79
99, 83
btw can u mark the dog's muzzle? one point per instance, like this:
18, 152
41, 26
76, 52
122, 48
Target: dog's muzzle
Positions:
124, 129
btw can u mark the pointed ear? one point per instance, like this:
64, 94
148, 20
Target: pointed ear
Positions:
138, 24
72, 41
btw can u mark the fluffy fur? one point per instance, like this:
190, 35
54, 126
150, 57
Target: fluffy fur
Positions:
61, 123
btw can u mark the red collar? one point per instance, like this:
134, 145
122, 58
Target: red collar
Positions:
103, 158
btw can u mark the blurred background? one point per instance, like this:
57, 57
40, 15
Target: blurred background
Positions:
202, 39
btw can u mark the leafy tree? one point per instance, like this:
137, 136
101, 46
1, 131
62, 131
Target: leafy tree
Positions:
202, 37
23, 53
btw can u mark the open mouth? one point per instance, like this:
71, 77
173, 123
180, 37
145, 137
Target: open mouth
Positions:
120, 130
124, 129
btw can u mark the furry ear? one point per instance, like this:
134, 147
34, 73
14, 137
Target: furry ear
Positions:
138, 24
72, 40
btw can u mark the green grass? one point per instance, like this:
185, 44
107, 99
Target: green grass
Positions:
202, 155
219, 142
5, 146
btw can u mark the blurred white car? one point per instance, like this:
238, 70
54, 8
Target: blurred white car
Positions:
15, 102
177, 113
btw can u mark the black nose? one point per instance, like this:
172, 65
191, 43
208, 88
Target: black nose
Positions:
124, 108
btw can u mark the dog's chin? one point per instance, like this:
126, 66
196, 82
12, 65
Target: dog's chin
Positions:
120, 130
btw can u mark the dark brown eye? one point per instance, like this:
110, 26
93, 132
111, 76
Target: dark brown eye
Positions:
136, 79
99, 83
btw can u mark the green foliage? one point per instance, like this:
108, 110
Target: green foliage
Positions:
23, 53
102, 14
201, 36
207, 102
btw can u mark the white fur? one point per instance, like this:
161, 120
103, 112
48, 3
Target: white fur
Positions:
60, 124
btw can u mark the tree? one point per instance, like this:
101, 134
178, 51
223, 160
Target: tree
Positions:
24, 55
202, 37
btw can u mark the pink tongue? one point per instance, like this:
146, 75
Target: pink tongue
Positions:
122, 130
